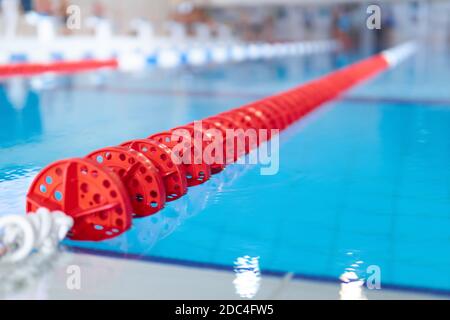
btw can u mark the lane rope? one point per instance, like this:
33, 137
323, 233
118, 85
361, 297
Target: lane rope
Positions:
29, 69
41, 231
102, 192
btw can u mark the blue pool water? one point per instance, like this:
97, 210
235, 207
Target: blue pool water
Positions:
363, 181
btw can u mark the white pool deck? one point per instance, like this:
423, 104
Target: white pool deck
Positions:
111, 278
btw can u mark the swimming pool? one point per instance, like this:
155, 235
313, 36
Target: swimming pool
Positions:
363, 181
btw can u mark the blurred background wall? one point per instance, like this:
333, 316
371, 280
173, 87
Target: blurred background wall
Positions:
255, 20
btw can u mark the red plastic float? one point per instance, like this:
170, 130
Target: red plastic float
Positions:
219, 130
160, 155
197, 171
226, 123
204, 140
140, 177
92, 195
257, 121
259, 117
265, 113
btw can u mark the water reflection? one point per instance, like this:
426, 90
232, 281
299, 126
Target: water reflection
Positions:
248, 276
352, 287
353, 281
20, 114
30, 278
147, 232
168, 220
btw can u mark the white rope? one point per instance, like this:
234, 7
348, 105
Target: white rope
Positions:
399, 53
41, 231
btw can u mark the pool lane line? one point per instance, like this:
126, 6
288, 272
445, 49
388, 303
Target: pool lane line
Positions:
276, 112
229, 268
305, 98
64, 67
174, 56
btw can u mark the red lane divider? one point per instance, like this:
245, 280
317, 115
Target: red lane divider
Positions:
26, 69
105, 189
138, 174
174, 176
96, 198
